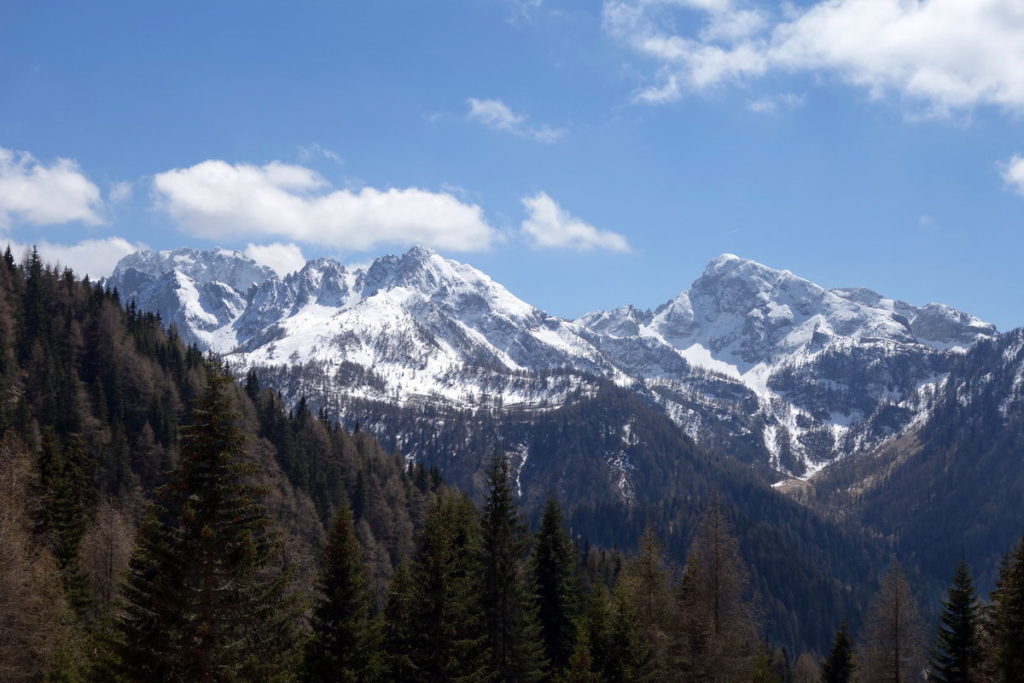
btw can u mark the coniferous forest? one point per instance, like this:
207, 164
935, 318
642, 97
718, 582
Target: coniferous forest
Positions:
161, 519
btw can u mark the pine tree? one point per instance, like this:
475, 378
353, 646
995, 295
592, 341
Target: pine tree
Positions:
511, 628
957, 655
1007, 618
343, 644
204, 599
555, 575
838, 665
892, 647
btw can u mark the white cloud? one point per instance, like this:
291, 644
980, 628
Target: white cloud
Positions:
549, 226
220, 201
1013, 173
95, 258
120, 191
36, 194
496, 115
308, 153
283, 258
946, 55
772, 104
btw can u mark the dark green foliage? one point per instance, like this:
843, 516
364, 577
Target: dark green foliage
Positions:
510, 622
580, 668
446, 622
1007, 618
957, 655
555, 571
616, 645
344, 643
204, 601
399, 637
838, 665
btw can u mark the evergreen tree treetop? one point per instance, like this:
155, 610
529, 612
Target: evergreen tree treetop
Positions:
957, 655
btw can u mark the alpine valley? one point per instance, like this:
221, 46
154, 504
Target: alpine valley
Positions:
821, 416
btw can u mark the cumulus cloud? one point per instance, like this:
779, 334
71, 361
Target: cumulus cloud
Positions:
283, 258
33, 193
95, 258
946, 55
1013, 173
549, 226
496, 115
219, 201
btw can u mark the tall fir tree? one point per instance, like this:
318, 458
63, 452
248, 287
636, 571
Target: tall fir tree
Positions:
838, 666
205, 598
344, 643
1007, 618
957, 655
506, 596
555, 573
446, 617
617, 648
398, 637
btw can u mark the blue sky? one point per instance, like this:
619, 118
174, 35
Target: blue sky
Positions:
586, 154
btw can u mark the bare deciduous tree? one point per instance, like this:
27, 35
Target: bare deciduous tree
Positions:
892, 642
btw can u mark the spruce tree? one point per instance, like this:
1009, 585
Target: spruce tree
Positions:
343, 644
957, 655
617, 647
399, 637
555, 570
580, 668
1007, 618
446, 617
506, 597
204, 600
838, 665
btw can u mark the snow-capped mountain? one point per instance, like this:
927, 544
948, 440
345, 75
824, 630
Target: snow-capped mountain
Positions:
758, 362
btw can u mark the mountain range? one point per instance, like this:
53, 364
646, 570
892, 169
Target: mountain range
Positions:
777, 371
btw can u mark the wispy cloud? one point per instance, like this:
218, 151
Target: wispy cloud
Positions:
942, 55
549, 226
773, 104
219, 200
497, 115
34, 193
308, 153
120, 191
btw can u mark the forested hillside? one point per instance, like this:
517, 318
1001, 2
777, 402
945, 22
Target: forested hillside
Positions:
950, 488
95, 399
